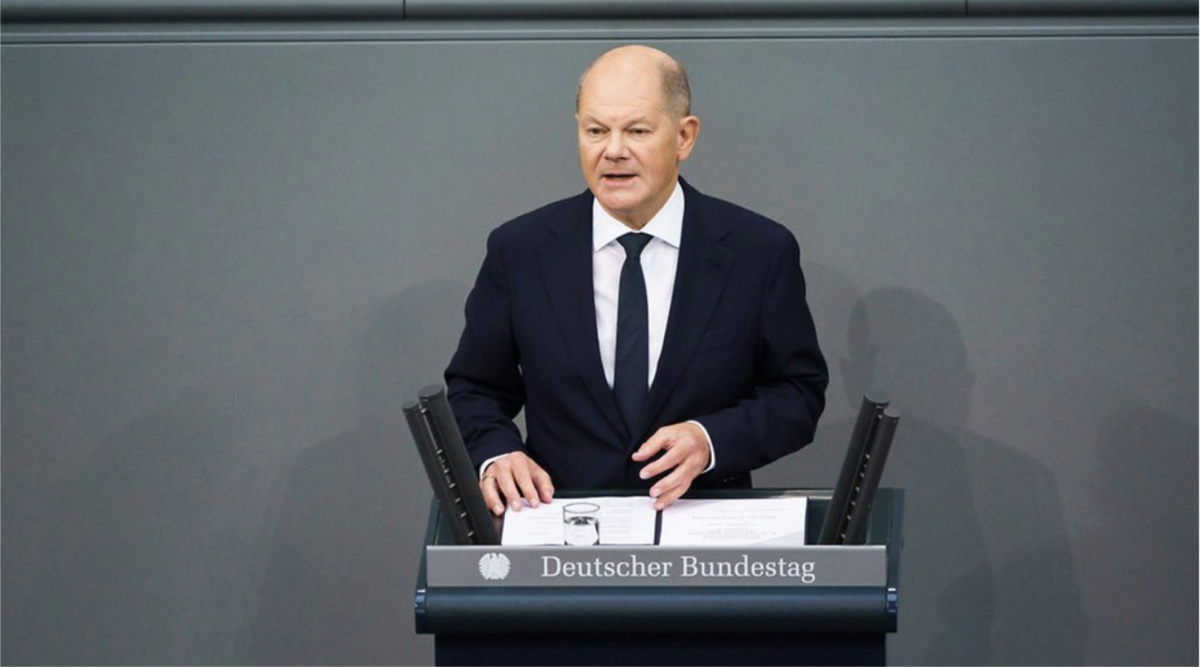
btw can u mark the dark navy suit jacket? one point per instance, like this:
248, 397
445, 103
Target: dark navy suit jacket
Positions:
740, 354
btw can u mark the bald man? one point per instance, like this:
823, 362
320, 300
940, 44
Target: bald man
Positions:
656, 338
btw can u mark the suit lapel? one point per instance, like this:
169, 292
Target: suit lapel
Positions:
700, 279
566, 267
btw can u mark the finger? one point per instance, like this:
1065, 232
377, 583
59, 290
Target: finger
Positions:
525, 483
654, 445
509, 488
667, 461
690, 467
681, 478
545, 487
665, 500
491, 494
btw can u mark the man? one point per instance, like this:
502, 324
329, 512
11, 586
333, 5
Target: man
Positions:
655, 337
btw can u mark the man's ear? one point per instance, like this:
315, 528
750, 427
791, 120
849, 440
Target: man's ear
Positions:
689, 129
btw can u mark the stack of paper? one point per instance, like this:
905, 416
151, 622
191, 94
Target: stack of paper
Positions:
633, 521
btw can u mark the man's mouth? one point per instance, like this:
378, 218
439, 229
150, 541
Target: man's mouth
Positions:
618, 178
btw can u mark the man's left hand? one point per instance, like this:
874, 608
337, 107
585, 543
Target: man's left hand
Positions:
685, 450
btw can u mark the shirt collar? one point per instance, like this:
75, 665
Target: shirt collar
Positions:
666, 225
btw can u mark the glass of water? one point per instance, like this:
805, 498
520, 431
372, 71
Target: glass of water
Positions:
581, 524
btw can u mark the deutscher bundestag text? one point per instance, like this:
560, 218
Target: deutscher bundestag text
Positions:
688, 566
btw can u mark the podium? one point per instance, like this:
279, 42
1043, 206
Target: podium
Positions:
652, 605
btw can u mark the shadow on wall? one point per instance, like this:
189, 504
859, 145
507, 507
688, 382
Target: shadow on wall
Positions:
961, 602
340, 577
1144, 552
141, 555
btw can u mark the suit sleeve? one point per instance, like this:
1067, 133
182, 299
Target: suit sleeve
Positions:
779, 414
484, 383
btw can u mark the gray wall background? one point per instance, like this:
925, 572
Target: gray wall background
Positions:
228, 257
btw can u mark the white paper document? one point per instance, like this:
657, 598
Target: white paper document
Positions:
631, 521
735, 523
623, 520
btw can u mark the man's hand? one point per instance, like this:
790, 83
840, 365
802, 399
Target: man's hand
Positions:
685, 449
517, 478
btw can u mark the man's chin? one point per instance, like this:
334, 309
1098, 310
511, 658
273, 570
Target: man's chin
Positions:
619, 194
619, 208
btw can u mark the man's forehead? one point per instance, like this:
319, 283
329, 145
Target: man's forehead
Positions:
611, 93
619, 115
624, 105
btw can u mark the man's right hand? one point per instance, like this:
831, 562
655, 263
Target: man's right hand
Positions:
515, 478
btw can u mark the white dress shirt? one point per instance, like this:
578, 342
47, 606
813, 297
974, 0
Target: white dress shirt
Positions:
660, 259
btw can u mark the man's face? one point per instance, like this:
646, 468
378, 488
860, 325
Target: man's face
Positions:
630, 145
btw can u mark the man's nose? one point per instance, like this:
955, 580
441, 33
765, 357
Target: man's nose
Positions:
615, 148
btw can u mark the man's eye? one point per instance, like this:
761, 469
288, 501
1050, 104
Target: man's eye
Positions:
594, 131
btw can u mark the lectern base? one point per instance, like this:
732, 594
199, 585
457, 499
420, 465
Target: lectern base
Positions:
656, 650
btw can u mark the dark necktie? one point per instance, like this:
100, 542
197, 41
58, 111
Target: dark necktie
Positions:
632, 368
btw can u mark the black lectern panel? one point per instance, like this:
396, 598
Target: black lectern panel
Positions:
850, 509
448, 466
668, 649
842, 615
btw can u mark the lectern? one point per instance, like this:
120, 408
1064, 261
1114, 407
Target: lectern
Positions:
652, 605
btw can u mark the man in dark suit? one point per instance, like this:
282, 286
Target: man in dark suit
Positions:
655, 337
